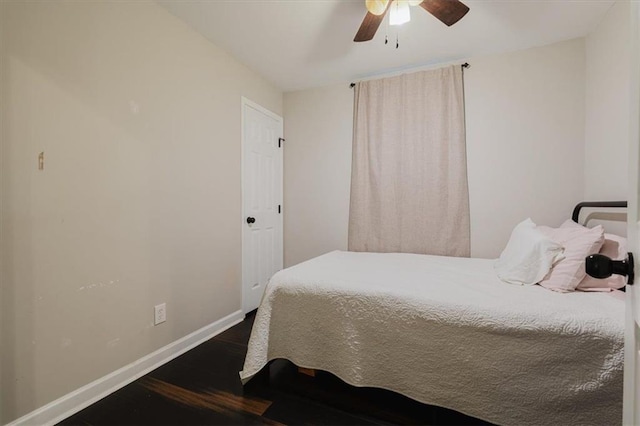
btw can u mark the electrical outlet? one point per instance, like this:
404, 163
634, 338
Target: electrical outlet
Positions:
160, 312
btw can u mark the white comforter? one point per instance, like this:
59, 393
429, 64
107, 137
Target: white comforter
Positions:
445, 331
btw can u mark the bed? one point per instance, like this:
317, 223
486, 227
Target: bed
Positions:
446, 331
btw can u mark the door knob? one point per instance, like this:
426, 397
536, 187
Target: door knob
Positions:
251, 220
600, 266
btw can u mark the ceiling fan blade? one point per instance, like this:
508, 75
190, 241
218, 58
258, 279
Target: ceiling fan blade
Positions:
370, 25
448, 11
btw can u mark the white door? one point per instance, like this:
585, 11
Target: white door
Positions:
631, 410
261, 201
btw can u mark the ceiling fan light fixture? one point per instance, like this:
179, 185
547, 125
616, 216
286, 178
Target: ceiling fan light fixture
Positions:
399, 12
446, 11
377, 7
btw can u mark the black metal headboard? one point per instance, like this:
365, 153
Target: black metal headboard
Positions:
615, 204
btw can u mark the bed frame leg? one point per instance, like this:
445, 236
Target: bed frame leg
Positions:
307, 371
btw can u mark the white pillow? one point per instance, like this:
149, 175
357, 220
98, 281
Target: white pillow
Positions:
528, 256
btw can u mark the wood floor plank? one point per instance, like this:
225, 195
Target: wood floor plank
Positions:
220, 401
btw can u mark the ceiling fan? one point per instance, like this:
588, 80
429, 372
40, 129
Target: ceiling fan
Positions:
447, 11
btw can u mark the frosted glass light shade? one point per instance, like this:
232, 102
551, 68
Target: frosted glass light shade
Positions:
399, 12
377, 7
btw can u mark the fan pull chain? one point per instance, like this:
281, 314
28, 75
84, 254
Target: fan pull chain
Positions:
386, 31
397, 42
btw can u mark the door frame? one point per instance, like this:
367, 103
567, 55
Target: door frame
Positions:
244, 102
631, 410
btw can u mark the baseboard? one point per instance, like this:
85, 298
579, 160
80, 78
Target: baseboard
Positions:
75, 401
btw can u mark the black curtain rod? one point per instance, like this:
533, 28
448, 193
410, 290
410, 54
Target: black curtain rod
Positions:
465, 65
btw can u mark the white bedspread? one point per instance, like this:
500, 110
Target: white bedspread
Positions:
445, 331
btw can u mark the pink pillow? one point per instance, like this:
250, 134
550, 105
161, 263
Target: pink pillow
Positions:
614, 247
578, 242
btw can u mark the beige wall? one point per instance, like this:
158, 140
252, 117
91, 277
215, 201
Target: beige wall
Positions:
139, 202
318, 126
525, 142
608, 55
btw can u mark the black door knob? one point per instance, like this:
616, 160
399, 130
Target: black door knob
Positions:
600, 266
251, 220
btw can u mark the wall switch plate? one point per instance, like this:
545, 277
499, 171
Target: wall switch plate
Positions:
160, 312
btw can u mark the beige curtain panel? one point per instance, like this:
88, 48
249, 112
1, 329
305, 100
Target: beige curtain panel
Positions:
409, 190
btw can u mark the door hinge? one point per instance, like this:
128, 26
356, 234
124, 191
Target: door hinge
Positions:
280, 140
279, 209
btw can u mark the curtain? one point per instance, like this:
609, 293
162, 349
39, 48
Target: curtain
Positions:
409, 190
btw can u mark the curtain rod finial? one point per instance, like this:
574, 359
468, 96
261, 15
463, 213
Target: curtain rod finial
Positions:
352, 85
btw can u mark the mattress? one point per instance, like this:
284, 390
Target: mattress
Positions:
445, 331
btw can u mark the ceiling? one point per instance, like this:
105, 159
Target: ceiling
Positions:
298, 44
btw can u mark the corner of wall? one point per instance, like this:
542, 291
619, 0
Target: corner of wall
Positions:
607, 64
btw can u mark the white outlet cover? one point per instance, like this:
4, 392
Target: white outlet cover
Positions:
160, 313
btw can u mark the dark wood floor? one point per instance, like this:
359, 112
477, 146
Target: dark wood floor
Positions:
202, 387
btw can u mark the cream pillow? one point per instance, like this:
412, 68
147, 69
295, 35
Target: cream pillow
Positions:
578, 242
528, 256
